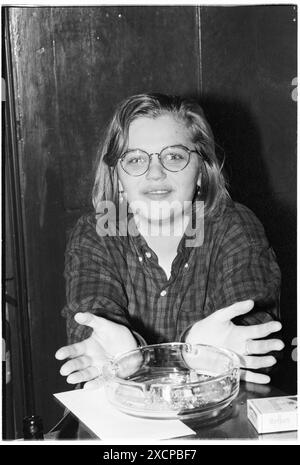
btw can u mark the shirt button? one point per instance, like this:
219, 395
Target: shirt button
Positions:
163, 293
140, 259
148, 254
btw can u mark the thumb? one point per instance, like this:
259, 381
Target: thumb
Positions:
88, 319
239, 308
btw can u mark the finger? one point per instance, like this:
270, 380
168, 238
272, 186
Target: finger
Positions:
251, 377
75, 364
83, 375
73, 350
88, 319
258, 362
258, 389
261, 330
265, 346
234, 310
94, 383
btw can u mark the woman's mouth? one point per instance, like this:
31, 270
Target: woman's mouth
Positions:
157, 194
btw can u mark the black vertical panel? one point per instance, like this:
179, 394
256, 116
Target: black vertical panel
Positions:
71, 66
249, 63
41, 194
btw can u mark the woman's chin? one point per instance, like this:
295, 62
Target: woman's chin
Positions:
166, 225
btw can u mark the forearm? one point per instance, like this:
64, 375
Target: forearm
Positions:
77, 332
91, 286
262, 312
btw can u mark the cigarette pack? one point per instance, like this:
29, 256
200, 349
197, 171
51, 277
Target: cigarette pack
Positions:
273, 414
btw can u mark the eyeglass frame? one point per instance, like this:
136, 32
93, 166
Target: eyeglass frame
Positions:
158, 156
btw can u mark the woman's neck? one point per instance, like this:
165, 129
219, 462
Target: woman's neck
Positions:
163, 229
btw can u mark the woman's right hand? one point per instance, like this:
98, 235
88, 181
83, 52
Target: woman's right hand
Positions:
86, 358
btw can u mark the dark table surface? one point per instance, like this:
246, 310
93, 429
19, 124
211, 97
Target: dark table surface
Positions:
231, 423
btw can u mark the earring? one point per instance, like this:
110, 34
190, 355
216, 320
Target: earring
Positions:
121, 196
198, 190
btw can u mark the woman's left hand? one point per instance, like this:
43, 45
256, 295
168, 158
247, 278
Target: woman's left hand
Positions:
247, 341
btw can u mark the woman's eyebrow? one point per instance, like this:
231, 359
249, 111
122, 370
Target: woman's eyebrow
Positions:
134, 148
178, 144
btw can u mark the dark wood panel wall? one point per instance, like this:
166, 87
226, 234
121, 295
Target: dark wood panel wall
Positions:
73, 64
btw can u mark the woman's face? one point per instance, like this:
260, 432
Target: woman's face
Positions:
159, 194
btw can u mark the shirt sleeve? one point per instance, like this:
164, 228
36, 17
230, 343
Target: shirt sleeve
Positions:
92, 282
251, 273
247, 269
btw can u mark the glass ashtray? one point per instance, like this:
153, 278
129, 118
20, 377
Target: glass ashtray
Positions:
173, 380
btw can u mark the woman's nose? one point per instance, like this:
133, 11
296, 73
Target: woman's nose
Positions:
156, 170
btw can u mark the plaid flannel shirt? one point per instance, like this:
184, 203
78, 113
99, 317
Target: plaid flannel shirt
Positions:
119, 278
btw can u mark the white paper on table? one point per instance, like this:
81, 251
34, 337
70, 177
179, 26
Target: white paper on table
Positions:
93, 409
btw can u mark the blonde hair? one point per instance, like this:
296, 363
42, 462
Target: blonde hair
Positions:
113, 145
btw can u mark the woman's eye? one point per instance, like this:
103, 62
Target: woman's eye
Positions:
135, 161
174, 156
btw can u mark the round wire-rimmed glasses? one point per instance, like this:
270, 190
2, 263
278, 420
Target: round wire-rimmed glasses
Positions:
136, 162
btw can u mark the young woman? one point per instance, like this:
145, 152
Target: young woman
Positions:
161, 278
